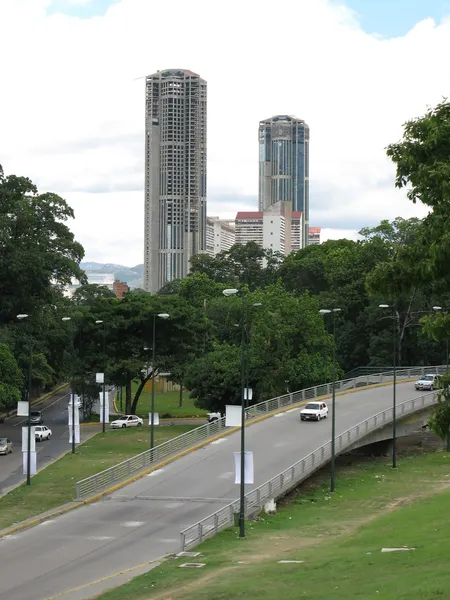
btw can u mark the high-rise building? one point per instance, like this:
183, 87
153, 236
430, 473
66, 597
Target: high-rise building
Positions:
284, 165
220, 235
175, 175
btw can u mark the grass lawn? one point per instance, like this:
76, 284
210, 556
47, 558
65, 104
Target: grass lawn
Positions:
338, 537
166, 404
55, 485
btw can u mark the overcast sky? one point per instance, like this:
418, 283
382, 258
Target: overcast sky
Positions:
72, 100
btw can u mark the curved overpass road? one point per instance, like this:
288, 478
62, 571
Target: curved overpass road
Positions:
142, 521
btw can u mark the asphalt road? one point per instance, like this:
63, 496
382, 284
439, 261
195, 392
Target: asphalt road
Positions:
66, 556
56, 418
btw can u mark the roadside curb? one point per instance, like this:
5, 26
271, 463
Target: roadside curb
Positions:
156, 562
46, 396
161, 420
76, 504
52, 462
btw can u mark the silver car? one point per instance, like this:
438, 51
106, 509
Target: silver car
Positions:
6, 446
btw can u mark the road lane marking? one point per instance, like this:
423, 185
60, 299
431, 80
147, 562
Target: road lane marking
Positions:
44, 409
100, 538
219, 441
133, 523
292, 410
226, 475
278, 415
108, 577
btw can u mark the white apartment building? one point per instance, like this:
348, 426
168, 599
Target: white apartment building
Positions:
102, 279
249, 227
314, 236
220, 235
297, 231
276, 228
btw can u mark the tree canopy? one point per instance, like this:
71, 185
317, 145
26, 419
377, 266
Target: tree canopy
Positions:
289, 344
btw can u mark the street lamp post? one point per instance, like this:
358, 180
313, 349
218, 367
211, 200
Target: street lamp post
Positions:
326, 311
99, 322
152, 424
232, 292
30, 366
66, 319
394, 391
247, 358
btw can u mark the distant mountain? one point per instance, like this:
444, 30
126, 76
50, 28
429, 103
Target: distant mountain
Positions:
133, 276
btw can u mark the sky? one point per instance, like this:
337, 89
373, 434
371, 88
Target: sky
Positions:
72, 100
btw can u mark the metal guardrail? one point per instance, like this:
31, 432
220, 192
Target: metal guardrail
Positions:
100, 482
298, 472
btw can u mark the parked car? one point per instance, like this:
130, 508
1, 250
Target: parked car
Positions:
427, 382
36, 417
213, 416
41, 433
6, 446
127, 421
314, 411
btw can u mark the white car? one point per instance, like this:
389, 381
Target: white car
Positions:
314, 411
127, 421
42, 432
427, 382
213, 416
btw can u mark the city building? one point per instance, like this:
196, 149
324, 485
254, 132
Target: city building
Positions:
314, 235
249, 227
297, 232
120, 288
272, 229
284, 166
175, 175
102, 279
220, 235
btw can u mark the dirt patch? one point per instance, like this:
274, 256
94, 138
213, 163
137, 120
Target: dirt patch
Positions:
179, 592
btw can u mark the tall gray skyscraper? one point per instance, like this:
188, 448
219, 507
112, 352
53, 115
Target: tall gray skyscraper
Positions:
284, 165
175, 175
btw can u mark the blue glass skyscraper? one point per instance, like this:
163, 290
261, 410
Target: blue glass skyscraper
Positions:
284, 165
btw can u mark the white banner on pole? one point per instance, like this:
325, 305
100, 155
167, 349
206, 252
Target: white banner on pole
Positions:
233, 415
25, 439
155, 418
33, 463
99, 377
248, 393
249, 469
77, 434
106, 407
22, 409
77, 416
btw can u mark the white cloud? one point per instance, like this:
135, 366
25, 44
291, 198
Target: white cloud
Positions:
73, 112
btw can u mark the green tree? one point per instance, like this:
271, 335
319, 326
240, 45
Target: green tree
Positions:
11, 379
422, 161
89, 293
288, 348
439, 421
38, 251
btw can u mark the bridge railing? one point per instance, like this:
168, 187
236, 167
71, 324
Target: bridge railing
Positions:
298, 472
103, 480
